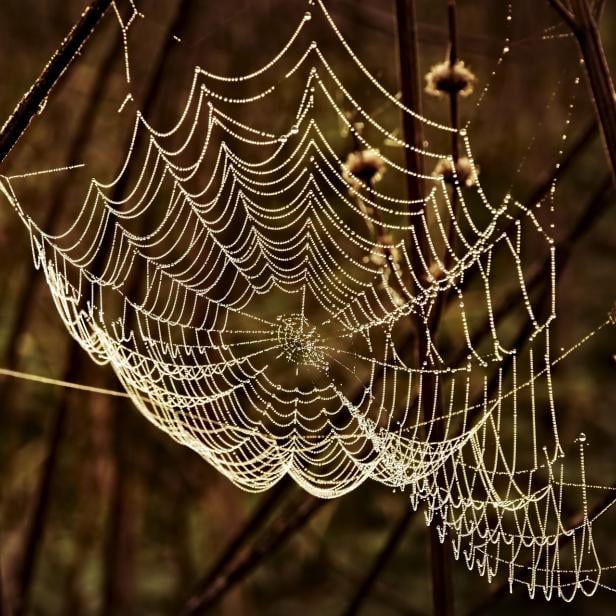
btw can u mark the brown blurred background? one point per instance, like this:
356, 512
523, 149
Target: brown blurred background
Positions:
134, 520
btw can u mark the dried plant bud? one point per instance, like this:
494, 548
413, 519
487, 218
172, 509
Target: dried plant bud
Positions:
464, 171
396, 256
435, 272
444, 78
363, 166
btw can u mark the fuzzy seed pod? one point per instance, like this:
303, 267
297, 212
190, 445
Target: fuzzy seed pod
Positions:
464, 171
363, 167
446, 79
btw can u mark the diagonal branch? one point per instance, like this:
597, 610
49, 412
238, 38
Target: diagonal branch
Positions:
29, 105
254, 522
583, 22
53, 220
564, 12
391, 544
284, 528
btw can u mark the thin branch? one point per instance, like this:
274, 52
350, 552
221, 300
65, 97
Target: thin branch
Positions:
597, 11
254, 522
53, 220
348, 572
391, 544
30, 104
3, 609
285, 527
587, 33
441, 556
115, 593
564, 12
406, 25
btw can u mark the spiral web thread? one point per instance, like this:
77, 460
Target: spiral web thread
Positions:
260, 303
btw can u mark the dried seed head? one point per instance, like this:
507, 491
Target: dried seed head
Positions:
444, 78
435, 272
363, 167
464, 171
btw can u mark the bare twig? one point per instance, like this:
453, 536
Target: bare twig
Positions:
564, 12
53, 220
583, 22
394, 538
269, 502
30, 104
406, 24
440, 554
284, 528
116, 591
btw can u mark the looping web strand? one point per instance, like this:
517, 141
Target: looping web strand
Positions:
261, 315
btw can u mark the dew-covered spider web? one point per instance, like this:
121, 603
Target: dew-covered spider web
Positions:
262, 299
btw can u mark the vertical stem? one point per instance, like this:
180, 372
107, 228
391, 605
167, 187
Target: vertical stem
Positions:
120, 540
2, 608
599, 78
406, 25
454, 122
440, 554
42, 499
453, 58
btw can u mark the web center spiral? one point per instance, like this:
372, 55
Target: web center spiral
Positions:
299, 342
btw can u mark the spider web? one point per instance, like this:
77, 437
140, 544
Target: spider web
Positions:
261, 301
